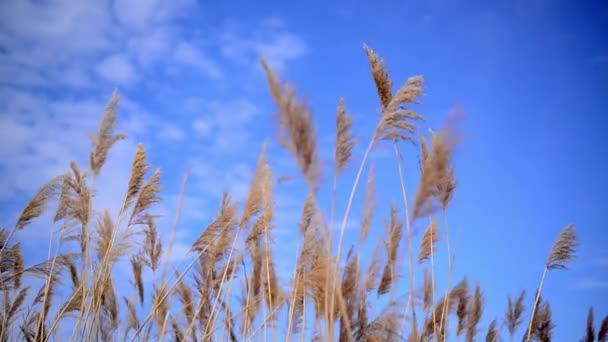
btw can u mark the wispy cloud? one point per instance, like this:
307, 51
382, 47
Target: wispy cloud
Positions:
190, 55
592, 284
117, 69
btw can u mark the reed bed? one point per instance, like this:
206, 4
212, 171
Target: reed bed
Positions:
230, 290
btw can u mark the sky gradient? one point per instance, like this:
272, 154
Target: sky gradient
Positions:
530, 76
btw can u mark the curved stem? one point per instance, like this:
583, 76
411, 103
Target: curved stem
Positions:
536, 299
410, 300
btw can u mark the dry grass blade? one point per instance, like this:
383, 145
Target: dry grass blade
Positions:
429, 239
381, 77
296, 131
369, 206
105, 138
590, 330
395, 231
602, 334
492, 334
563, 249
344, 138
514, 312
38, 204
474, 311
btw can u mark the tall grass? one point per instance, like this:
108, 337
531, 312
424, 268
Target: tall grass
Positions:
231, 290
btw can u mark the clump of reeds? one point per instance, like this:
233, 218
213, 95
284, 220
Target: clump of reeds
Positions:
80, 284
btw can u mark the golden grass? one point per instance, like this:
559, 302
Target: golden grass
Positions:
328, 297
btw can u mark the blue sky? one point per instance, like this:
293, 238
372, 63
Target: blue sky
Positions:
529, 76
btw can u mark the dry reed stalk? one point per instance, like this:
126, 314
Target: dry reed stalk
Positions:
542, 325
342, 156
201, 251
396, 124
563, 251
369, 205
514, 313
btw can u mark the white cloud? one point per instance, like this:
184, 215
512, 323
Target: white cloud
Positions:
153, 46
190, 55
201, 127
117, 69
227, 123
171, 132
269, 39
140, 14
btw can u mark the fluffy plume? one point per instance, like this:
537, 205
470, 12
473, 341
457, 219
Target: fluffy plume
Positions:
148, 196
296, 131
492, 334
429, 239
308, 213
514, 312
395, 230
542, 325
563, 249
381, 77
602, 334
437, 176
105, 138
590, 330
474, 311
373, 270
255, 201
460, 294
136, 266
369, 206
153, 246
37, 205
427, 290
138, 170
344, 138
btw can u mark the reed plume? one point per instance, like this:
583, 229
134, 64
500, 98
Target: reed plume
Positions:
492, 334
105, 137
344, 138
590, 331
296, 131
602, 334
563, 251
514, 312
395, 231
474, 312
